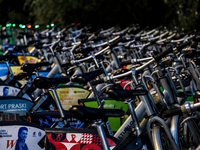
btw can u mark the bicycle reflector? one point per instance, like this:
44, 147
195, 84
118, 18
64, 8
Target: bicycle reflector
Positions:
47, 26
13, 25
52, 25
20, 25
23, 26
37, 26
29, 26
0, 25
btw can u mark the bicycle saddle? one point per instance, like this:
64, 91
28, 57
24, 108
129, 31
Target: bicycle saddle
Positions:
20, 47
44, 113
82, 112
83, 50
46, 83
85, 77
7, 57
121, 95
31, 67
22, 75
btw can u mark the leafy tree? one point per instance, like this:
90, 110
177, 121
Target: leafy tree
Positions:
103, 13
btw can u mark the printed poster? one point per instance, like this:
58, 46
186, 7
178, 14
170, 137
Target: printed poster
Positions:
14, 105
11, 91
77, 141
16, 69
30, 59
4, 71
18, 137
69, 96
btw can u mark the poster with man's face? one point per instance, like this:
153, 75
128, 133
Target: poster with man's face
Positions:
18, 137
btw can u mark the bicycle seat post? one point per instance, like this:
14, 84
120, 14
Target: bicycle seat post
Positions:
102, 135
11, 74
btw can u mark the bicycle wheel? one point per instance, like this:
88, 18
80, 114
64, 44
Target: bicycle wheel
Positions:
186, 139
160, 139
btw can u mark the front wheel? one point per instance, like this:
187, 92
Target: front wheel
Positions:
160, 139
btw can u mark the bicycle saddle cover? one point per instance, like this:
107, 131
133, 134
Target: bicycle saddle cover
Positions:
85, 77
121, 95
82, 112
46, 83
31, 67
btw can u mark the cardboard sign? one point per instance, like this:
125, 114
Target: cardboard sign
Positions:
18, 137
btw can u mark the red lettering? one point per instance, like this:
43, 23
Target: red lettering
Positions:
64, 91
10, 144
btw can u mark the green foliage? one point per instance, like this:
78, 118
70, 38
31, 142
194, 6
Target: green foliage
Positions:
183, 14
103, 13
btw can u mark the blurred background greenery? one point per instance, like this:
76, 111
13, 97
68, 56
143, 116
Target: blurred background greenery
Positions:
184, 14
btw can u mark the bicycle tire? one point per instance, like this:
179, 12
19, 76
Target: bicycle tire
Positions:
160, 139
186, 138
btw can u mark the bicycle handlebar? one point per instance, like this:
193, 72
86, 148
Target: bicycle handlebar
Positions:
188, 107
97, 82
173, 112
132, 61
180, 47
112, 43
161, 55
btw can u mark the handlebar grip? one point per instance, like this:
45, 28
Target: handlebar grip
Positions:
180, 47
194, 45
97, 82
125, 62
58, 50
172, 112
97, 32
198, 33
84, 40
197, 39
163, 54
153, 41
114, 43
